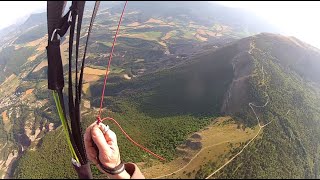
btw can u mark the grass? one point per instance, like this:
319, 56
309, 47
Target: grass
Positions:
169, 35
214, 145
13, 60
9, 87
1, 173
159, 135
32, 34
151, 36
86, 88
188, 34
155, 35
109, 44
139, 60
113, 69
88, 70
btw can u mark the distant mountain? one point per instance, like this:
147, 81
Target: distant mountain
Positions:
282, 71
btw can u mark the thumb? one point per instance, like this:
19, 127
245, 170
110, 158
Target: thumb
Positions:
99, 139
109, 135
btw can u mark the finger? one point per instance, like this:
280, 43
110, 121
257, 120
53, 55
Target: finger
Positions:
90, 150
100, 140
87, 136
92, 154
109, 135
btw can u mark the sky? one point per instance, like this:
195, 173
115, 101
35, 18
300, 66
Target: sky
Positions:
296, 18
11, 11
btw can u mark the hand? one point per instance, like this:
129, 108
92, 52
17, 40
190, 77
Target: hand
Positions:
109, 154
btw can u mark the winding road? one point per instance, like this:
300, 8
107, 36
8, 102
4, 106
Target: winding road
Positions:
252, 46
195, 157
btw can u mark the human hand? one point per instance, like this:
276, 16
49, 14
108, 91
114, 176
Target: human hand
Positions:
106, 150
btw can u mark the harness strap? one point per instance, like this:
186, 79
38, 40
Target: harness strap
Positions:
71, 103
77, 128
95, 10
55, 67
55, 70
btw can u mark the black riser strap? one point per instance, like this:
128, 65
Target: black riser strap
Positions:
72, 113
64, 25
55, 69
95, 10
77, 130
54, 14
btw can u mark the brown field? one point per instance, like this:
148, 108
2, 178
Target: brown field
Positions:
32, 58
40, 66
210, 33
91, 74
126, 76
143, 26
141, 36
10, 78
29, 91
158, 21
92, 71
201, 32
162, 44
134, 24
5, 117
201, 38
168, 35
215, 140
41, 43
194, 26
139, 60
37, 42
90, 78
64, 53
85, 87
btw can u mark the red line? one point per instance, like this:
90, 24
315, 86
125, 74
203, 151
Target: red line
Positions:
110, 58
135, 143
104, 88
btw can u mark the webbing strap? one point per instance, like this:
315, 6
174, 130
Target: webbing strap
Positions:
79, 87
54, 13
70, 91
64, 24
77, 129
57, 27
95, 10
55, 68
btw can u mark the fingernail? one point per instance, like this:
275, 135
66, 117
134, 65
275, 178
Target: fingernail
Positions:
104, 128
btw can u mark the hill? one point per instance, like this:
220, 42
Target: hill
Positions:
167, 107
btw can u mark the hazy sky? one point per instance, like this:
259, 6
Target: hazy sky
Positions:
300, 19
10, 11
297, 18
